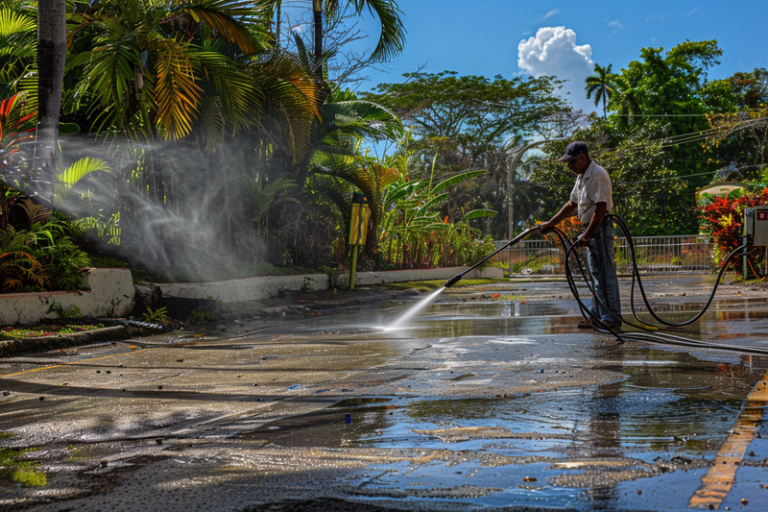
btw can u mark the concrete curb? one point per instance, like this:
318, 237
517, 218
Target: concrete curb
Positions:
10, 348
261, 288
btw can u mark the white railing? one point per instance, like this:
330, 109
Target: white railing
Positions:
683, 253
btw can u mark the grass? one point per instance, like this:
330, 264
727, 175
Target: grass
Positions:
14, 333
426, 286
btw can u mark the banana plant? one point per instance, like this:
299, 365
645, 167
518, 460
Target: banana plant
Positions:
412, 231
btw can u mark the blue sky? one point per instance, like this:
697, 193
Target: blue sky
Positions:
483, 37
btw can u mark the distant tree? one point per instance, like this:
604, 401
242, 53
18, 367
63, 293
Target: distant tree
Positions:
601, 85
467, 121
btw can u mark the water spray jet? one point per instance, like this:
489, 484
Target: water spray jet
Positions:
410, 313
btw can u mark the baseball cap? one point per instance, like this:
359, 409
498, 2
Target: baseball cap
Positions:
574, 149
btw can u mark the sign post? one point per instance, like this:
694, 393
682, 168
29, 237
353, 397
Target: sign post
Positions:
358, 231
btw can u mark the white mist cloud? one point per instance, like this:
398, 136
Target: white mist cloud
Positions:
553, 52
694, 11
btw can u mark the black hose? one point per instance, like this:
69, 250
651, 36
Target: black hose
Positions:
656, 337
636, 275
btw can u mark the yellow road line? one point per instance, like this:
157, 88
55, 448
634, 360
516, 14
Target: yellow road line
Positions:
717, 483
71, 364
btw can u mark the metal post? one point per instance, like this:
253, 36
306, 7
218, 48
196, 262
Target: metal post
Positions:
352, 270
744, 262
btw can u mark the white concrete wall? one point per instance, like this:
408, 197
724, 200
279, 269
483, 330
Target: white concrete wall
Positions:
260, 288
244, 290
105, 292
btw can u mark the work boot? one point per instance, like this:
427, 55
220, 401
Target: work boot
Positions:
585, 324
610, 324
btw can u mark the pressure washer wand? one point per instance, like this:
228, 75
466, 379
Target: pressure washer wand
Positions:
455, 279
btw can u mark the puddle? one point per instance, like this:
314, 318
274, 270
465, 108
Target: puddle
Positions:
664, 422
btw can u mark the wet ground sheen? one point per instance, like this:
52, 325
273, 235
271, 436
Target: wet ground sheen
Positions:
480, 402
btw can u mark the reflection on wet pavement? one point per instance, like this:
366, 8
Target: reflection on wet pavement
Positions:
479, 401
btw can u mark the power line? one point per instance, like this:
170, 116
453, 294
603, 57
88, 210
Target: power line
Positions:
661, 115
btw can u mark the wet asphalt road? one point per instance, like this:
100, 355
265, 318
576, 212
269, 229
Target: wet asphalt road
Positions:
481, 402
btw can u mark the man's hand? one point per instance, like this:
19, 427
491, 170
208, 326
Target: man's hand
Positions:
546, 227
583, 240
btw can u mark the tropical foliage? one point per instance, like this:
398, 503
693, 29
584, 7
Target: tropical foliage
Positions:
41, 257
666, 131
722, 218
213, 140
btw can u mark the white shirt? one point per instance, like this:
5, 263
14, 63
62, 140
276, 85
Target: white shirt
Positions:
592, 187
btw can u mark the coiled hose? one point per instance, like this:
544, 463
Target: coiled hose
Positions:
656, 337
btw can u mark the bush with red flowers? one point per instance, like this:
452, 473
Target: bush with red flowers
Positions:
723, 219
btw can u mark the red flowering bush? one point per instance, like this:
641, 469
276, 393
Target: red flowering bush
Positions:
723, 219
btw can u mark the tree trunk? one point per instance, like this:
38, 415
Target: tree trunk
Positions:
277, 24
317, 10
51, 55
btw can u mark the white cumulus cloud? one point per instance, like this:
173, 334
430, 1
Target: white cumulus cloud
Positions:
553, 52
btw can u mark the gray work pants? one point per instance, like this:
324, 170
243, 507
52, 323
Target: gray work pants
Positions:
602, 269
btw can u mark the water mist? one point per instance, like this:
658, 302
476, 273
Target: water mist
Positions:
179, 230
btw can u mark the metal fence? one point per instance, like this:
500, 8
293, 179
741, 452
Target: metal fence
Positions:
685, 253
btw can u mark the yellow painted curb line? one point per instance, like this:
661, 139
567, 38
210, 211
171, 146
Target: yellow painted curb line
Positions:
71, 364
717, 483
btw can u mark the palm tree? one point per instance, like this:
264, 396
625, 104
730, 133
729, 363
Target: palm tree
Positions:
344, 122
391, 40
626, 99
51, 56
601, 84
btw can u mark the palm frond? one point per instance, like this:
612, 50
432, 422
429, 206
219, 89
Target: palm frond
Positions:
348, 170
178, 94
234, 19
361, 118
13, 23
240, 98
291, 94
75, 172
455, 180
479, 213
392, 39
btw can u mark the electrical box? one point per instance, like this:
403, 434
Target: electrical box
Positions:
756, 224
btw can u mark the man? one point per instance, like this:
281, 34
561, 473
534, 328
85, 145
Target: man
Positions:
592, 198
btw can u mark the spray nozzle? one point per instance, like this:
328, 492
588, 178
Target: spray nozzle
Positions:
452, 281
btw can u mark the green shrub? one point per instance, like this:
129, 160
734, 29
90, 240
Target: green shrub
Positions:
200, 316
157, 316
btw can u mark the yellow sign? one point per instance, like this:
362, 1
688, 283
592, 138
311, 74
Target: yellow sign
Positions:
359, 228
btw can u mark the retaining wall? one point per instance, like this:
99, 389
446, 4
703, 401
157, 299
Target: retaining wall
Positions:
105, 292
247, 289
260, 288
